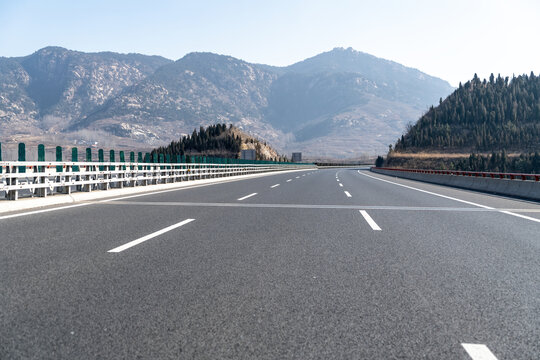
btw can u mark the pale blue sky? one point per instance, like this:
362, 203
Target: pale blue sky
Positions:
449, 39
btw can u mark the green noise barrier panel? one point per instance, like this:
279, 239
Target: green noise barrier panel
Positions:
22, 156
101, 158
139, 159
41, 156
111, 159
59, 158
75, 158
122, 159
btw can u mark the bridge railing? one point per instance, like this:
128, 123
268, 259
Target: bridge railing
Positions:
40, 178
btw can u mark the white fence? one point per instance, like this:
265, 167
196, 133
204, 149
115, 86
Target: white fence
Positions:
26, 178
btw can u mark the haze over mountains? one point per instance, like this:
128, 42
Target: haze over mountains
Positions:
340, 103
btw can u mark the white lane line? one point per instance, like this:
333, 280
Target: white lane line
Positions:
273, 186
41, 211
247, 196
337, 180
521, 216
149, 236
347, 193
289, 180
298, 177
453, 198
370, 221
340, 184
479, 352
427, 192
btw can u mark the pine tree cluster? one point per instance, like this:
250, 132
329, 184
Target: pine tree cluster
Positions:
486, 115
215, 140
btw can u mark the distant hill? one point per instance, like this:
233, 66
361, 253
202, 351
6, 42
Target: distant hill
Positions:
392, 80
341, 103
198, 90
219, 141
48, 90
488, 115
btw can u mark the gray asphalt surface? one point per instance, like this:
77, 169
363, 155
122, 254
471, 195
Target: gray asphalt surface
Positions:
294, 272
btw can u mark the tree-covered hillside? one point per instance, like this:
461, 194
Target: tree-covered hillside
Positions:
484, 116
219, 141
214, 139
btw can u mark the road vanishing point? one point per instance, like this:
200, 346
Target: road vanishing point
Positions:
315, 264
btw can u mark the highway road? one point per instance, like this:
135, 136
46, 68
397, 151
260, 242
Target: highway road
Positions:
316, 264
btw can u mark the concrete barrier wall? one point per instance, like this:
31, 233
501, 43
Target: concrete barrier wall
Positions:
526, 189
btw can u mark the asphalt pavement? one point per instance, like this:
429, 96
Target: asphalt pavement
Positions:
318, 264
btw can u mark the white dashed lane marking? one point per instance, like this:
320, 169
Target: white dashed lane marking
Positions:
247, 196
149, 236
479, 352
369, 220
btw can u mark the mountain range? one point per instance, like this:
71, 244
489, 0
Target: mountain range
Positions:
341, 103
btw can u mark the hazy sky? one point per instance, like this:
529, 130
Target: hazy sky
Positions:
449, 39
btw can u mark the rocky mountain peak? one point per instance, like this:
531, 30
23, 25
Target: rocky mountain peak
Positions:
351, 101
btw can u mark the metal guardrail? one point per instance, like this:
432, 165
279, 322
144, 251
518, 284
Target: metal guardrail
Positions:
41, 178
492, 175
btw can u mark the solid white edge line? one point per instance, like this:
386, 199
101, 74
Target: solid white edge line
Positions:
273, 186
519, 215
452, 198
41, 211
427, 192
149, 236
478, 352
347, 193
369, 220
247, 196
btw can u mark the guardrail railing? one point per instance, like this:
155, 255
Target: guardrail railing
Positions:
492, 175
42, 178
